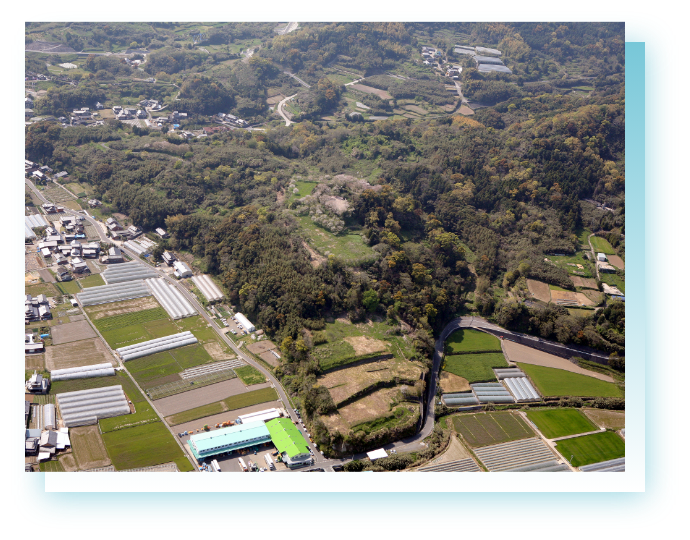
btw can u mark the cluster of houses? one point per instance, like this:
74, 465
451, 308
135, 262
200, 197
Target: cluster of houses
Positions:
230, 119
128, 113
36, 309
117, 231
453, 72
47, 439
65, 249
52, 208
42, 173
152, 104
431, 55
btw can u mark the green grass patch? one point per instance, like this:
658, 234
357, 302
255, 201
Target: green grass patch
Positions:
582, 235
601, 245
41, 288
161, 328
566, 261
250, 375
191, 355
475, 367
555, 423
399, 416
614, 280
153, 366
557, 288
144, 415
51, 466
465, 340
129, 335
491, 428
142, 446
593, 448
94, 280
347, 246
68, 287
303, 189
129, 319
120, 378
553, 382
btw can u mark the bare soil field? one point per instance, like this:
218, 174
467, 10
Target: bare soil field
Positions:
216, 351
273, 100
369, 407
76, 331
203, 396
270, 359
79, 353
455, 451
34, 361
261, 346
31, 278
371, 90
584, 300
606, 419
616, 261
464, 109
315, 258
539, 290
567, 296
76, 318
585, 283
224, 417
102, 311
345, 382
365, 345
521, 353
33, 261
450, 382
88, 447
417, 109
594, 296
69, 463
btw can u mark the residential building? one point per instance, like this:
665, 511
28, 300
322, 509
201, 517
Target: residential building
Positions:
182, 270
37, 384
78, 266
114, 256
161, 232
32, 347
133, 231
113, 224
168, 257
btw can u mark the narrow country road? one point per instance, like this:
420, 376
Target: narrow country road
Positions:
279, 108
297, 79
594, 255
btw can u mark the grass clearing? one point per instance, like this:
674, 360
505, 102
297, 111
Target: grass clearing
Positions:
250, 375
144, 415
474, 367
143, 446
601, 245
191, 355
555, 423
229, 404
553, 382
491, 428
347, 246
593, 448
128, 319
465, 340
570, 263
606, 419
41, 288
94, 280
398, 416
303, 189
51, 466
68, 287
88, 447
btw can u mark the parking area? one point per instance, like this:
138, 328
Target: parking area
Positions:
230, 462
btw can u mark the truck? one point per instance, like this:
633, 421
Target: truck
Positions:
269, 462
243, 465
215, 466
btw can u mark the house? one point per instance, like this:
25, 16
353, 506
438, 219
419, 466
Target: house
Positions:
75, 248
28, 113
61, 174
141, 113
49, 208
601, 257
168, 257
37, 384
62, 273
39, 176
32, 347
117, 109
99, 105
605, 268
161, 232
36, 308
114, 256
182, 270
30, 445
94, 203
29, 166
28, 103
90, 251
60, 259
133, 231
112, 224
78, 266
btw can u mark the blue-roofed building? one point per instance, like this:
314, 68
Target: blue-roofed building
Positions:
228, 439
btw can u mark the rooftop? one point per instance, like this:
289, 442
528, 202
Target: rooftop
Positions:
286, 437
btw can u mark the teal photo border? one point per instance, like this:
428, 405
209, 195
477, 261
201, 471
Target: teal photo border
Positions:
652, 189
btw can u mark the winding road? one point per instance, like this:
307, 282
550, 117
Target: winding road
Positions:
279, 108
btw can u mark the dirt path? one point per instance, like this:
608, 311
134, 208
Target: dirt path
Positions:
316, 258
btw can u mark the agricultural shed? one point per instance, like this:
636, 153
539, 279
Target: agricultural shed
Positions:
514, 454
613, 465
464, 50
49, 420
522, 389
84, 372
488, 60
128, 272
182, 270
241, 319
263, 416
170, 298
227, 439
156, 345
113, 293
289, 441
487, 68
487, 51
85, 407
207, 287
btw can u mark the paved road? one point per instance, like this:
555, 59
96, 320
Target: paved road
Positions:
279, 108
290, 27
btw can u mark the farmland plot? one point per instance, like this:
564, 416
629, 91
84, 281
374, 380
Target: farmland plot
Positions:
76, 354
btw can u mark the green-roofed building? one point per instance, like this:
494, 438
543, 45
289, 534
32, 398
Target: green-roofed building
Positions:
289, 442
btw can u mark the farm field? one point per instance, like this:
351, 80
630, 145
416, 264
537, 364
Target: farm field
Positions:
250, 375
474, 367
573, 264
614, 280
528, 355
346, 246
51, 466
143, 446
127, 319
144, 415
120, 378
112, 309
606, 419
68, 287
539, 290
452, 383
584, 283
555, 423
41, 288
552, 382
601, 245
593, 448
88, 447
212, 420
616, 261
491, 428
231, 403
78, 353
76, 331
199, 397
465, 340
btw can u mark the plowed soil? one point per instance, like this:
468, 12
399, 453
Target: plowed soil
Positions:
539, 290
80, 353
119, 308
88, 447
585, 283
365, 345
616, 261
76, 331
453, 383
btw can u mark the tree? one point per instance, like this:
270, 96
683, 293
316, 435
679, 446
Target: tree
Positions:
370, 300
